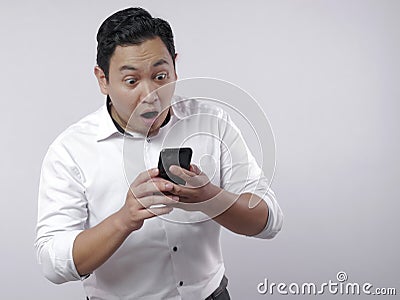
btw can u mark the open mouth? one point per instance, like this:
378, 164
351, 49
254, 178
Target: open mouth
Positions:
150, 114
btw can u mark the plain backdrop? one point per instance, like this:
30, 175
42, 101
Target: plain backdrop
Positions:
325, 72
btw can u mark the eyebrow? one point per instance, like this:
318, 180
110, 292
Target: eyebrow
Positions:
132, 68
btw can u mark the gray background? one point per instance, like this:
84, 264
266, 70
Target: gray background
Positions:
327, 75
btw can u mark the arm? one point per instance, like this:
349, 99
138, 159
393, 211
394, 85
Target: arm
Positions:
62, 214
256, 205
93, 246
244, 213
243, 201
65, 248
238, 214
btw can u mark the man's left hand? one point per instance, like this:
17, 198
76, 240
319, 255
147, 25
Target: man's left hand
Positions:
197, 189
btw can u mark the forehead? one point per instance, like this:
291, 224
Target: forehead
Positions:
141, 55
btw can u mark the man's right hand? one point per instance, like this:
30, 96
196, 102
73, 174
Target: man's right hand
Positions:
144, 193
93, 246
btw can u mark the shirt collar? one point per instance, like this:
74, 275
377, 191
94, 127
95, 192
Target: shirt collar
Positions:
106, 127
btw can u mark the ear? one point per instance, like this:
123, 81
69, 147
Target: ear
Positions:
175, 60
101, 79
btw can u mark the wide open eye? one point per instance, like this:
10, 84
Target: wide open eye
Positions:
130, 81
161, 76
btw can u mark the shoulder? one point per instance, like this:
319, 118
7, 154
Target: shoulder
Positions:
185, 107
83, 131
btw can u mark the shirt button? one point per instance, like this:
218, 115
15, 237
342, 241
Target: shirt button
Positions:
180, 283
175, 248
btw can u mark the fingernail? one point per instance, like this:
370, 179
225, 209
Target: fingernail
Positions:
176, 198
168, 185
155, 171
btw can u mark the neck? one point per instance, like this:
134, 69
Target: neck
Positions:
116, 117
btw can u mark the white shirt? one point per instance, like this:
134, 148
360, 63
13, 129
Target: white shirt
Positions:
85, 178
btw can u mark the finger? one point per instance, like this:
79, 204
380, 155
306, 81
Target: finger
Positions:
181, 172
149, 188
158, 179
145, 176
170, 191
179, 190
152, 212
148, 201
195, 169
192, 179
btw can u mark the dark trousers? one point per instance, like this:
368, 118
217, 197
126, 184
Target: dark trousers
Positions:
221, 293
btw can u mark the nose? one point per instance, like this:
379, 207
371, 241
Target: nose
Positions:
148, 92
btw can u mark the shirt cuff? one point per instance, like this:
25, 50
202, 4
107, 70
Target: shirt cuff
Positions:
58, 264
275, 217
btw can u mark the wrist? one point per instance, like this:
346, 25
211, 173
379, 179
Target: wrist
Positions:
214, 200
120, 223
212, 192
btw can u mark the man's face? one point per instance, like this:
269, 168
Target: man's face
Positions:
135, 74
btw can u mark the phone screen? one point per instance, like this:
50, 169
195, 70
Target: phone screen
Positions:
174, 156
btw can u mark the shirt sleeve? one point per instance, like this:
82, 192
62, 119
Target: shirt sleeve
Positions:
240, 174
62, 214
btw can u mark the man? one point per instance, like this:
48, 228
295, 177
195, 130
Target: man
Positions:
151, 238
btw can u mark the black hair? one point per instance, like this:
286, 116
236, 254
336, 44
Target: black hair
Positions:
131, 26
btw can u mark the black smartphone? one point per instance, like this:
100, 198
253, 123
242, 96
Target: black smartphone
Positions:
174, 156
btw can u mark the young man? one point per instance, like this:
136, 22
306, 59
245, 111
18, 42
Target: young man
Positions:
151, 238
